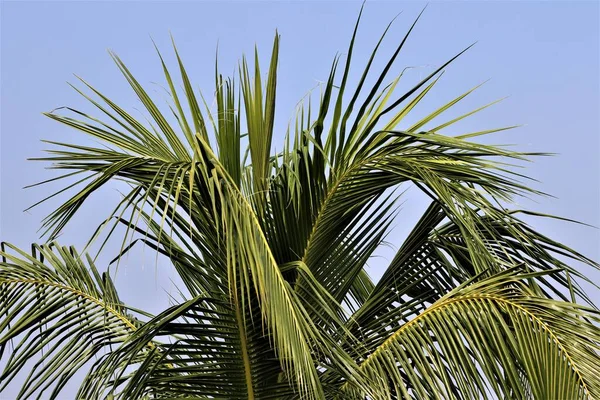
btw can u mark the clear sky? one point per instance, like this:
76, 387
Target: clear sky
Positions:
544, 55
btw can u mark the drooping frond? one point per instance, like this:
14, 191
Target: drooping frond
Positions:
57, 313
501, 333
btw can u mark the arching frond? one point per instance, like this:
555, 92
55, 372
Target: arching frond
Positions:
500, 331
57, 313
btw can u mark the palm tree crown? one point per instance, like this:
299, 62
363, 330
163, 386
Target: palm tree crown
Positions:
271, 250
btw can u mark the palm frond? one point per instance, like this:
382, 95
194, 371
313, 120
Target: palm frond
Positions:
57, 313
501, 331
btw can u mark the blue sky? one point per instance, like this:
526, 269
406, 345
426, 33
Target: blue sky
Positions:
543, 55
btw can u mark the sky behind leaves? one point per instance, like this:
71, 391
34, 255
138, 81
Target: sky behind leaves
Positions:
543, 55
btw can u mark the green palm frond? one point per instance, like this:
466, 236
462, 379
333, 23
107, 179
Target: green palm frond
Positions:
58, 313
500, 331
260, 115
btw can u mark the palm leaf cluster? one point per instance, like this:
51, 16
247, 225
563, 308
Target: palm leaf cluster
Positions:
272, 250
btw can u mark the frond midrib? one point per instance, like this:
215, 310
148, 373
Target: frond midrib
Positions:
244, 350
98, 302
478, 297
328, 196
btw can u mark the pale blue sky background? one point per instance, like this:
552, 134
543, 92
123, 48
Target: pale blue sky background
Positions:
544, 55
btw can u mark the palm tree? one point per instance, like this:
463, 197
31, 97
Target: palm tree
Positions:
271, 250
